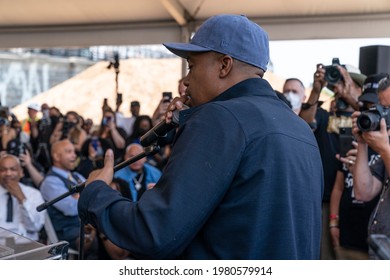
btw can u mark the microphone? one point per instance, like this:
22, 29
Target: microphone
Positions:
160, 130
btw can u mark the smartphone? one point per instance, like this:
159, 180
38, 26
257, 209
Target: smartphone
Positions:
106, 120
95, 143
167, 96
97, 147
119, 98
346, 138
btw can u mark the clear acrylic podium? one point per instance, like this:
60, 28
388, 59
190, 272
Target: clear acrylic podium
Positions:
17, 247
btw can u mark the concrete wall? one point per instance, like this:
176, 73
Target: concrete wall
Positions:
23, 76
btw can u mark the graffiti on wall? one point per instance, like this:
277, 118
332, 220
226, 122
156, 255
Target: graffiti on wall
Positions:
22, 79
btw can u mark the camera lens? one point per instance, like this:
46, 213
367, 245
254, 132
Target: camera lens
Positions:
332, 75
368, 121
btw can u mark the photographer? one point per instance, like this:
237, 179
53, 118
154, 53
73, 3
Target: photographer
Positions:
115, 136
40, 137
374, 180
21, 148
92, 154
347, 88
161, 158
70, 128
162, 107
349, 215
7, 133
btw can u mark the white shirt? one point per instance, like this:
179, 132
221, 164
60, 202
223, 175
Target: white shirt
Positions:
125, 123
27, 221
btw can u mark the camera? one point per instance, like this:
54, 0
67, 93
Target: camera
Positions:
4, 121
345, 138
369, 120
119, 98
96, 146
16, 148
4, 115
107, 120
67, 125
332, 73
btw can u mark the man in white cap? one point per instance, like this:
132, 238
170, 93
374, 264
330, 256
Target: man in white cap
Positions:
29, 124
233, 188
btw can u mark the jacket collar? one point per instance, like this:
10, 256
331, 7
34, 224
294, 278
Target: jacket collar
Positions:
249, 87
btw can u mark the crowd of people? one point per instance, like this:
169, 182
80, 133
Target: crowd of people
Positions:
251, 173
50, 152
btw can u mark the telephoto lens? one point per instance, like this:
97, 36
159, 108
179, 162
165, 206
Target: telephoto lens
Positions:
368, 121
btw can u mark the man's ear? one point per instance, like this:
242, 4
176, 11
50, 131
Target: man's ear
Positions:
226, 66
55, 156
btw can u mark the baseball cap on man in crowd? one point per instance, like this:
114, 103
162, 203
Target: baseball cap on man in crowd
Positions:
355, 74
34, 106
370, 88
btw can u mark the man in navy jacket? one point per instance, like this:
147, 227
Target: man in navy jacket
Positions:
244, 180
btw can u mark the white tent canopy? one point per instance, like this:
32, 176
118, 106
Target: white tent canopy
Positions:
75, 23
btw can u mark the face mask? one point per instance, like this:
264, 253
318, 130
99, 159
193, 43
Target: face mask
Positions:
46, 113
294, 100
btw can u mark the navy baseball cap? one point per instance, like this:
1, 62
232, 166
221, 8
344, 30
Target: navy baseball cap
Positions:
370, 88
234, 35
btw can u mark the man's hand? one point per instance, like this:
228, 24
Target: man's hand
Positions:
345, 88
14, 189
106, 173
355, 129
25, 159
178, 103
319, 79
350, 158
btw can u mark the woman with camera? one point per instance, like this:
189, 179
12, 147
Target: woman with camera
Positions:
114, 135
70, 128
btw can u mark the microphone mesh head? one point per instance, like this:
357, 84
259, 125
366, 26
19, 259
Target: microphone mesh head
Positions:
175, 114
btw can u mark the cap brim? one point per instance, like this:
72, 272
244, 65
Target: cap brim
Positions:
369, 97
183, 49
358, 78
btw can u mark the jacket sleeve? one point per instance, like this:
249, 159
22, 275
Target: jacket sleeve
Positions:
166, 218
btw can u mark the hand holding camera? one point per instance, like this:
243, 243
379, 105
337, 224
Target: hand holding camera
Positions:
376, 136
107, 121
25, 158
162, 108
319, 79
333, 74
340, 82
370, 119
95, 150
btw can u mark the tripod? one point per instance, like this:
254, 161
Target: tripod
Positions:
42, 147
151, 150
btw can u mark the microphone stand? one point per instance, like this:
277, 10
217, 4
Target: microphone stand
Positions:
151, 150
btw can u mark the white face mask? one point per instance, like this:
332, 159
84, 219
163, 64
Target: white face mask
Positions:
294, 100
46, 113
